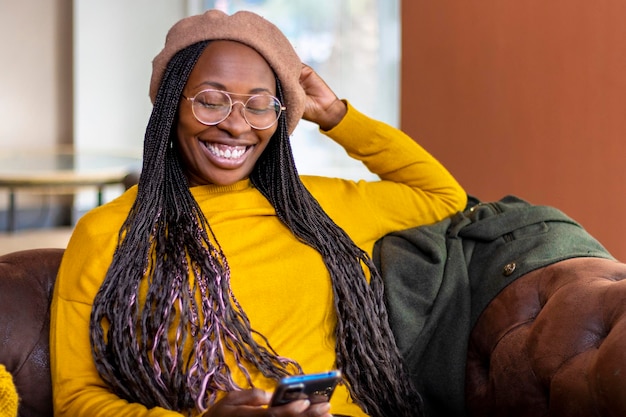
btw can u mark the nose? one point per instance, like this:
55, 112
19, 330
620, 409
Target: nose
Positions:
235, 122
242, 110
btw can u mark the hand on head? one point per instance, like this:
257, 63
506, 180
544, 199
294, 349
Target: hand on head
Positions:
322, 105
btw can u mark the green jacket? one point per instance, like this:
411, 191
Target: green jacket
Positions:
439, 278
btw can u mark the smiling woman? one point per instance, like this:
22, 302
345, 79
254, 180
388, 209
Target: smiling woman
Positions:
225, 270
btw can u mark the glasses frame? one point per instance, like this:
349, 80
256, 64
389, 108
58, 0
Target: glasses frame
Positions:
232, 102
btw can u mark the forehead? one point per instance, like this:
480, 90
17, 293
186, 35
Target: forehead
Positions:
232, 66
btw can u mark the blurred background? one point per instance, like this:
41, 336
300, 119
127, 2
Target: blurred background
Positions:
522, 97
76, 74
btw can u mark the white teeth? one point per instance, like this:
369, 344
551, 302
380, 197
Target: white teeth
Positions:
231, 152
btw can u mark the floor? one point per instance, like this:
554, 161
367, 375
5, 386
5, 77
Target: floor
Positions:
35, 238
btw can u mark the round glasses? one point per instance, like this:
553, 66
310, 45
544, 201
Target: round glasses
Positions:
211, 107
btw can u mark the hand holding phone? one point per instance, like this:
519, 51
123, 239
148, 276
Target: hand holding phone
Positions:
316, 388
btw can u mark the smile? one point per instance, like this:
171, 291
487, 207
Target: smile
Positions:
225, 151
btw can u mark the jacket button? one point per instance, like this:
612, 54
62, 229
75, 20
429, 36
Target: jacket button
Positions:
509, 269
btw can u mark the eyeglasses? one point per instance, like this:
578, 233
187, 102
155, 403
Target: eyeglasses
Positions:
211, 107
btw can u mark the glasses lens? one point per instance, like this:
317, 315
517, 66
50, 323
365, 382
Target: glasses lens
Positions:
262, 111
211, 107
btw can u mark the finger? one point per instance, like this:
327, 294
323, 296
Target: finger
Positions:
305, 73
298, 408
251, 397
248, 403
318, 410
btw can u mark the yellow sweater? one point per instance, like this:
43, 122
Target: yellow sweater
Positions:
282, 284
8, 394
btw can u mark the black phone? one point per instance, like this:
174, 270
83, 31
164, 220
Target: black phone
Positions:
316, 387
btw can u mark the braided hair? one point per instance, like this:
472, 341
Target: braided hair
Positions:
167, 241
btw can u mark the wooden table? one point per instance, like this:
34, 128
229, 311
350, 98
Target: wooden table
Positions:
61, 171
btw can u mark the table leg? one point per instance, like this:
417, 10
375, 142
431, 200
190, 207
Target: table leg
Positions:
11, 211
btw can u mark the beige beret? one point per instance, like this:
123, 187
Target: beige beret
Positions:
249, 29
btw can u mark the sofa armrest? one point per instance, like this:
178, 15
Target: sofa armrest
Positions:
26, 282
552, 343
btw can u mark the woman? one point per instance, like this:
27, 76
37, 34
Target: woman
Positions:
223, 270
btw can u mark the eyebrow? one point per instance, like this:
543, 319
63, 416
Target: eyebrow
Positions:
222, 87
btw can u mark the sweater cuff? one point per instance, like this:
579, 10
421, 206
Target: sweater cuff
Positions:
8, 394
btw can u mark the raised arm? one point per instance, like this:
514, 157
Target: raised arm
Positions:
415, 188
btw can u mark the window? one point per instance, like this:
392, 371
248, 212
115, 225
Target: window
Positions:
354, 45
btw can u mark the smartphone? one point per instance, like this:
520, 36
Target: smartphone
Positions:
316, 387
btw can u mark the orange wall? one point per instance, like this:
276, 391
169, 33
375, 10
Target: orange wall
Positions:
525, 98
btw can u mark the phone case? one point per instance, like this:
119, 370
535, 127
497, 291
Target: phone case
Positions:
316, 387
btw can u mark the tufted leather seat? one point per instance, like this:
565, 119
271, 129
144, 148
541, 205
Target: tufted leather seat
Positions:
552, 343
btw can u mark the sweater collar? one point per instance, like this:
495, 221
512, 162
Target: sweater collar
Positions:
219, 189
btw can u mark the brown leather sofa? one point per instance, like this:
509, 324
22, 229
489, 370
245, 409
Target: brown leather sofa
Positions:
552, 343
